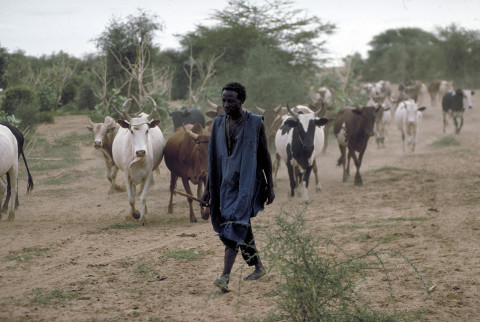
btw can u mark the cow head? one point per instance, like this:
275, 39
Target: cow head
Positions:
138, 127
467, 98
412, 113
101, 130
304, 126
369, 114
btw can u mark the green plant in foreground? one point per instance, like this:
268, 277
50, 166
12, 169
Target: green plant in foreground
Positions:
315, 284
44, 297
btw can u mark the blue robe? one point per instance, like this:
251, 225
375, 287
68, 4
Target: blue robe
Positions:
236, 183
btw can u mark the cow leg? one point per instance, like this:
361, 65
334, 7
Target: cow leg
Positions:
342, 161
347, 169
131, 192
291, 176
306, 178
458, 127
143, 197
13, 172
318, 186
276, 165
444, 121
173, 183
186, 185
358, 163
8, 193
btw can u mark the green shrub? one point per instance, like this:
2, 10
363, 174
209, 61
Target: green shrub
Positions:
318, 281
86, 97
15, 97
47, 96
28, 114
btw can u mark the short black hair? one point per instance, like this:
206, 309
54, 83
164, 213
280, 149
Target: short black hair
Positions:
237, 87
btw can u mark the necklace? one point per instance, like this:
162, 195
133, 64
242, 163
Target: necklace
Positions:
231, 128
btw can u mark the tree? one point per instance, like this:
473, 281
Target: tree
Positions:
294, 41
461, 55
398, 47
126, 45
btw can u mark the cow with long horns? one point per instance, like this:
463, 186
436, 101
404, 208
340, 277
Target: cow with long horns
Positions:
186, 156
299, 142
137, 151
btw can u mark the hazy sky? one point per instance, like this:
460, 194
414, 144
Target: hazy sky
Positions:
48, 26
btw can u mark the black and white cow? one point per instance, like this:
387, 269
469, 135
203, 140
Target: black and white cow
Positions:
299, 142
454, 104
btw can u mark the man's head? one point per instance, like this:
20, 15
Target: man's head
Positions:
233, 97
237, 87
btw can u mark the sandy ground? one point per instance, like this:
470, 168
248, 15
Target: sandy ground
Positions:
67, 239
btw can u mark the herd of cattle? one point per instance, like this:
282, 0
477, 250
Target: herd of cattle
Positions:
297, 136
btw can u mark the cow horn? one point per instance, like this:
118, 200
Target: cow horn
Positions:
261, 110
320, 109
294, 114
154, 108
194, 136
123, 113
277, 108
212, 105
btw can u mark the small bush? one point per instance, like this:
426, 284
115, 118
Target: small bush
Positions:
15, 97
28, 114
47, 96
315, 284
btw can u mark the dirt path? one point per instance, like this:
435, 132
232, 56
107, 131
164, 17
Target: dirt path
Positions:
68, 237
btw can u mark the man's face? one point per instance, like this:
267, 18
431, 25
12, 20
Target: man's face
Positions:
230, 102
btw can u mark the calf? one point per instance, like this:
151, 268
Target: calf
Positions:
299, 142
137, 151
353, 127
454, 104
20, 141
103, 136
186, 156
407, 118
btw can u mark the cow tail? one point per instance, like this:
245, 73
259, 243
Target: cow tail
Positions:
30, 180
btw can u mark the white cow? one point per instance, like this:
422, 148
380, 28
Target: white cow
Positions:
137, 151
407, 118
103, 136
9, 164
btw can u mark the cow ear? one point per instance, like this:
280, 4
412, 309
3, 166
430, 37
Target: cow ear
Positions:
291, 122
123, 124
89, 128
154, 123
357, 111
423, 108
211, 114
322, 121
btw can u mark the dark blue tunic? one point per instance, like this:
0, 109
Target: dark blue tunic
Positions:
235, 181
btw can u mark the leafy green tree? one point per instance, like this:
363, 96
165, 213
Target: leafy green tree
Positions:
396, 54
3, 67
293, 40
461, 55
121, 43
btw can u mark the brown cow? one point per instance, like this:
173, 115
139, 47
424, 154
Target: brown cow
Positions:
353, 127
103, 135
186, 156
